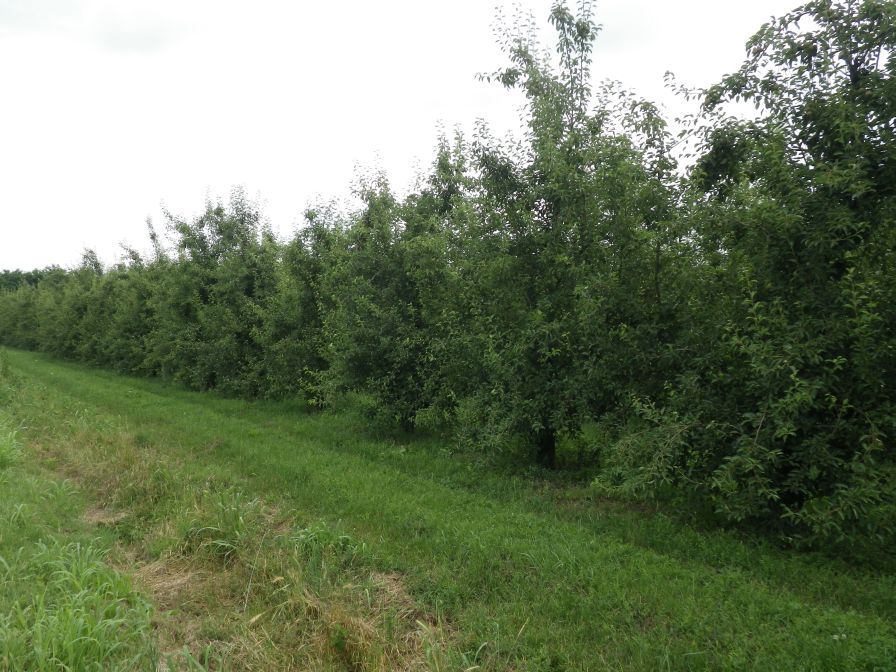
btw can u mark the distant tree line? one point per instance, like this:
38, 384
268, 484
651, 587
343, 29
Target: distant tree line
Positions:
725, 330
10, 280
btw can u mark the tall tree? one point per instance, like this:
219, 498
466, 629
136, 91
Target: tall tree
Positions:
576, 218
799, 216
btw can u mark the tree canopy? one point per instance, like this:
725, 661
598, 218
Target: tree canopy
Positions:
722, 331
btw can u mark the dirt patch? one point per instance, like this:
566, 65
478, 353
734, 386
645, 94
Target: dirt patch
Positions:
177, 591
103, 517
395, 595
166, 580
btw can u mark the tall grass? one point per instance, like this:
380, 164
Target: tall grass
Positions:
79, 614
62, 607
10, 451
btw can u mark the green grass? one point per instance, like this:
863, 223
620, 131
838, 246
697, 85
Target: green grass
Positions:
516, 571
61, 606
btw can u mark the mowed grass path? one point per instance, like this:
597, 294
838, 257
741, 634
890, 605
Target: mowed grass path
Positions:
539, 577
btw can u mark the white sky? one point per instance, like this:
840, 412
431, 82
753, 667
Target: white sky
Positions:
110, 108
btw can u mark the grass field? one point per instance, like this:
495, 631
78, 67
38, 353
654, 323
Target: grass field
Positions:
225, 534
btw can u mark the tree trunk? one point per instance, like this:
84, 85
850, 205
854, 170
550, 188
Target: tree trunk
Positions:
546, 445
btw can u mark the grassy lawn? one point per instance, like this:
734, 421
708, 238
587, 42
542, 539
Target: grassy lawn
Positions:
269, 538
61, 605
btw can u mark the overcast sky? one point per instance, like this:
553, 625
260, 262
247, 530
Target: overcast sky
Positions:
111, 108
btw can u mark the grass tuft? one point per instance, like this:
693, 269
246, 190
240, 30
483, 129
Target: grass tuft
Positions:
224, 525
75, 613
10, 450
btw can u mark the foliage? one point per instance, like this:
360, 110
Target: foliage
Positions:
790, 397
727, 326
577, 245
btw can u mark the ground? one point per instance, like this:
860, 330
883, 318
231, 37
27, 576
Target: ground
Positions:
257, 535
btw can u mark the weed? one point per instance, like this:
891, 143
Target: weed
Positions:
17, 515
208, 659
224, 526
146, 483
318, 546
10, 451
79, 614
56, 490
